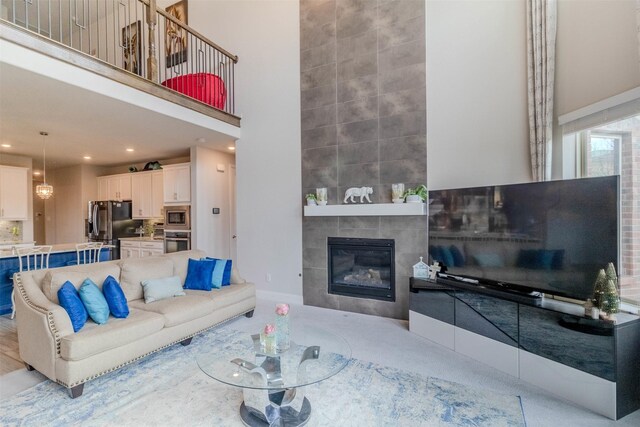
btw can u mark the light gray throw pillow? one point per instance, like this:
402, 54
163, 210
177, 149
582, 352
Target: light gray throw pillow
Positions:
157, 289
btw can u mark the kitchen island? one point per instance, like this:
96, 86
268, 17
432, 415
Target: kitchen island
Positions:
61, 256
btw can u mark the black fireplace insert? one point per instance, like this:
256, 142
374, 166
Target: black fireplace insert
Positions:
363, 268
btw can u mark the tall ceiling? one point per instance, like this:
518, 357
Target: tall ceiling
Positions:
84, 123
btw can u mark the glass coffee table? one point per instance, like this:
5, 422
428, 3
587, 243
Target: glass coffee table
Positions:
272, 382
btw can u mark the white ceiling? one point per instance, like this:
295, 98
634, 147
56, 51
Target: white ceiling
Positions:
81, 122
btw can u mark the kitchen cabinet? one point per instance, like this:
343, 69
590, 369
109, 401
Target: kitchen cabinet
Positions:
177, 183
114, 187
139, 248
147, 194
14, 193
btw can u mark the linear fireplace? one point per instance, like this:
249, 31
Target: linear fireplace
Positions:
363, 268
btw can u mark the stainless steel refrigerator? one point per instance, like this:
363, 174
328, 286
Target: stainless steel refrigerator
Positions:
109, 221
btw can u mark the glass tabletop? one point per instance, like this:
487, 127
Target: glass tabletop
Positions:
315, 354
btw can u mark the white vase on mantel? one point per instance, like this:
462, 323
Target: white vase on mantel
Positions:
413, 198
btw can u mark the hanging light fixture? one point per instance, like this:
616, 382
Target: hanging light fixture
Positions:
44, 190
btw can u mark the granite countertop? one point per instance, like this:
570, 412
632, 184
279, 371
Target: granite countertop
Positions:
63, 247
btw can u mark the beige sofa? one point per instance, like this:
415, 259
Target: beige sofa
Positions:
49, 345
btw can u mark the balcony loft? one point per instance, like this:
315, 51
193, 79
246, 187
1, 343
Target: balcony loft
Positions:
93, 65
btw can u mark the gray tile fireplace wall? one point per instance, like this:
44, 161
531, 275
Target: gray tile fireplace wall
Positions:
363, 124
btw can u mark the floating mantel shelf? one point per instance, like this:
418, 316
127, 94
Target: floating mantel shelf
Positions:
368, 209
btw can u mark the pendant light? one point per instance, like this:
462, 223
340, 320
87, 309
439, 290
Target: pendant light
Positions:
44, 190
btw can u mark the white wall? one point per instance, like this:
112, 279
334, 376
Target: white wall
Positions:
597, 53
265, 35
597, 57
210, 189
477, 125
64, 211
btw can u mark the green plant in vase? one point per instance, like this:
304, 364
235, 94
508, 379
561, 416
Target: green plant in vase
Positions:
416, 195
311, 199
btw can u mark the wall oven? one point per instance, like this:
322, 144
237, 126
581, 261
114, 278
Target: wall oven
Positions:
177, 217
176, 241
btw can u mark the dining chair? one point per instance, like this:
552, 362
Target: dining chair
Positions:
33, 258
88, 253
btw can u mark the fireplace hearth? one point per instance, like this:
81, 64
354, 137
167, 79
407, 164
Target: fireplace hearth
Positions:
362, 268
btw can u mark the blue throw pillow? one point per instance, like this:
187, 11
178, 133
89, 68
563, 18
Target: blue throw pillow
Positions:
115, 298
221, 273
458, 258
199, 274
94, 302
157, 289
71, 302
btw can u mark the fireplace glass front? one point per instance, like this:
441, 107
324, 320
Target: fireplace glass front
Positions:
363, 268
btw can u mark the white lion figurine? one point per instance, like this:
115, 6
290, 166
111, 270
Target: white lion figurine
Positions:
362, 192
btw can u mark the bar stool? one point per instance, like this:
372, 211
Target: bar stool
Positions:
33, 258
88, 253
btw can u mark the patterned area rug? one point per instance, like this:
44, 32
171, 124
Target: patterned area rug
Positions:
168, 388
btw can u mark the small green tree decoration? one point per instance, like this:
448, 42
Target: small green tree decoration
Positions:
598, 289
611, 300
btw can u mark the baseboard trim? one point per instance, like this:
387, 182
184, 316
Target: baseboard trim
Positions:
279, 297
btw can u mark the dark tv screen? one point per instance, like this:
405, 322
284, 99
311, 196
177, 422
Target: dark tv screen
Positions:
551, 237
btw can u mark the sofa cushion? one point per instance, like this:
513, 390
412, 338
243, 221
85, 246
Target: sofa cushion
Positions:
94, 339
226, 295
135, 270
178, 310
55, 278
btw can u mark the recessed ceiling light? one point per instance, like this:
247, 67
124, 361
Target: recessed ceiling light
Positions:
36, 173
231, 148
6, 145
130, 150
201, 140
87, 157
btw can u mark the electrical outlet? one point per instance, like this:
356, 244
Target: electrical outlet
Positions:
268, 277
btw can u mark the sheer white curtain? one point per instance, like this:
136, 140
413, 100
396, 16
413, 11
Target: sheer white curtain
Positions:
541, 52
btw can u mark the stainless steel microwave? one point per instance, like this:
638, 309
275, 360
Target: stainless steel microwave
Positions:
177, 218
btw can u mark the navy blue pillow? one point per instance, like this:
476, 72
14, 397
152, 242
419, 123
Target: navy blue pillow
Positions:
199, 274
447, 257
115, 298
226, 276
458, 258
436, 253
71, 302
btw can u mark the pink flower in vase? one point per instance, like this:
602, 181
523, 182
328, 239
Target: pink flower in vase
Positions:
282, 309
269, 329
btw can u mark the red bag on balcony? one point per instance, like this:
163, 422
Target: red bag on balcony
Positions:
206, 88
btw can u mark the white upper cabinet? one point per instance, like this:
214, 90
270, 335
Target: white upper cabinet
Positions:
177, 183
14, 193
146, 194
157, 198
114, 187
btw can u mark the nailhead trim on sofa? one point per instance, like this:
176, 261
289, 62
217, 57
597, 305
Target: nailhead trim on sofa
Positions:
52, 327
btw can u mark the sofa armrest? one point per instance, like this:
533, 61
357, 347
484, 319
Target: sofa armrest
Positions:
41, 324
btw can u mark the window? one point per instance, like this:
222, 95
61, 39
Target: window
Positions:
612, 147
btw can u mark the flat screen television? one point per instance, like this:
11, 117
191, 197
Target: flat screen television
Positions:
549, 237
